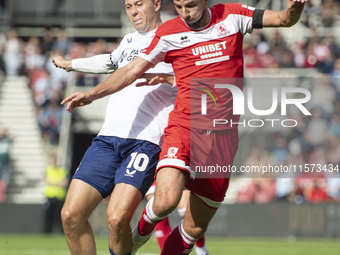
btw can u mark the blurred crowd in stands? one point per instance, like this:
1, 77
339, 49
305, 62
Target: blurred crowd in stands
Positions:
33, 58
315, 140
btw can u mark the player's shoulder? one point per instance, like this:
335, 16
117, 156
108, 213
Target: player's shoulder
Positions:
128, 36
172, 26
223, 10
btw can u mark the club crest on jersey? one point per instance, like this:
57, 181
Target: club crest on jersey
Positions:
222, 30
172, 152
184, 39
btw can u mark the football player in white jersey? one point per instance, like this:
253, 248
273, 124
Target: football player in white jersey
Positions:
184, 42
122, 159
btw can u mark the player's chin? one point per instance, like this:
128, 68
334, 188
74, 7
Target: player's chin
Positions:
190, 21
193, 22
140, 28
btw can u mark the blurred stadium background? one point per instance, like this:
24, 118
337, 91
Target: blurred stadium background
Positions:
38, 129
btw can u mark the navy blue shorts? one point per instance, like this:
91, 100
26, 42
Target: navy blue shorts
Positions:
111, 160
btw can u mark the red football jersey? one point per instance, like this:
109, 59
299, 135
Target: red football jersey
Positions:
214, 51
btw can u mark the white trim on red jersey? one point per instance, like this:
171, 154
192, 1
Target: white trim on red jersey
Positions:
168, 39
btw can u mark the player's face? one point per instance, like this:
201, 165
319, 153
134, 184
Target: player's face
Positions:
142, 14
193, 12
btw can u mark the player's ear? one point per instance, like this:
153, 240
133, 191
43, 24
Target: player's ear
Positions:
157, 5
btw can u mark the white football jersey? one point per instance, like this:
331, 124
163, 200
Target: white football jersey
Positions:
134, 112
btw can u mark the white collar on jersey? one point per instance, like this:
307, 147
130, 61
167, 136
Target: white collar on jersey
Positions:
200, 28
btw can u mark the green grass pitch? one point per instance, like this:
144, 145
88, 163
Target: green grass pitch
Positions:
56, 245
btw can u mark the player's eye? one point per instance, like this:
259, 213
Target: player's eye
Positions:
191, 5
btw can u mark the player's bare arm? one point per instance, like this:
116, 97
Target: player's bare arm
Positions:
63, 63
114, 83
284, 18
156, 78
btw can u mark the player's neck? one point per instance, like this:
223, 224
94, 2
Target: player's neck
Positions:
203, 22
154, 25
158, 22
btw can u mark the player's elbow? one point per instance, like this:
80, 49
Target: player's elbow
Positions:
281, 19
290, 23
290, 20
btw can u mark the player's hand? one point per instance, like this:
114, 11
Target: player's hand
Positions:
291, 3
295, 7
77, 99
155, 78
62, 63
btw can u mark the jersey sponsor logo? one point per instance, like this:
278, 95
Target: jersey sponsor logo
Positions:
184, 39
133, 55
210, 48
172, 152
211, 53
130, 56
213, 60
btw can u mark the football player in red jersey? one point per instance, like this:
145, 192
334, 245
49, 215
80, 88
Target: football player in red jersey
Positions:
201, 43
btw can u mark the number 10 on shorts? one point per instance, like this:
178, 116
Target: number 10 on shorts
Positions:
138, 162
